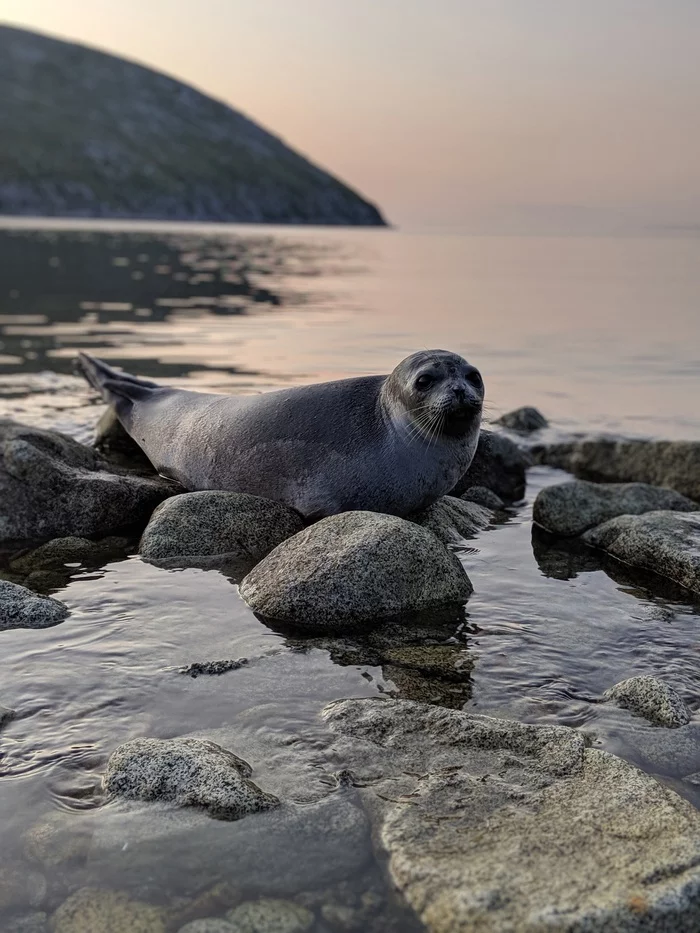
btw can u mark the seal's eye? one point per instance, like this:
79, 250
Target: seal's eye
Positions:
474, 377
424, 382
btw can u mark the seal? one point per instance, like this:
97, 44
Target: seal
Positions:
392, 443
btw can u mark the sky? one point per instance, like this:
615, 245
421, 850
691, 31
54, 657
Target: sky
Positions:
502, 116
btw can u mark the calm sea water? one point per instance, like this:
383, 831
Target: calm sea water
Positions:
600, 334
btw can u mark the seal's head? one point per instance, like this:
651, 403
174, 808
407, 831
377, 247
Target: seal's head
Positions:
440, 393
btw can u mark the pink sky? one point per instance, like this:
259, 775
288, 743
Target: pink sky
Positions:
491, 115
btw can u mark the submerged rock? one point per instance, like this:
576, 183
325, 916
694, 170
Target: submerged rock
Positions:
667, 543
291, 848
51, 486
20, 608
651, 698
208, 925
451, 519
188, 773
498, 465
71, 550
571, 508
523, 420
207, 908
229, 524
92, 910
6, 715
269, 915
35, 922
483, 496
355, 567
212, 667
673, 464
493, 825
427, 661
57, 839
20, 888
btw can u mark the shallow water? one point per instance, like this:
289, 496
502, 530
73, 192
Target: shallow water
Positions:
599, 334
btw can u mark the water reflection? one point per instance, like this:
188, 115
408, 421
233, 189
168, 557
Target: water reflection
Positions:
65, 290
424, 659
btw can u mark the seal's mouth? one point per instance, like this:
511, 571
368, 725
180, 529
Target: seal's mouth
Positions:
460, 418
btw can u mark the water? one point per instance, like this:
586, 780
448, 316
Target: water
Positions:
600, 334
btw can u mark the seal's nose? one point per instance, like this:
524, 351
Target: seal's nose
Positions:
465, 397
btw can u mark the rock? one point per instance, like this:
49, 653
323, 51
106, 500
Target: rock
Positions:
58, 839
6, 715
261, 854
20, 888
498, 465
212, 667
571, 508
668, 543
341, 918
51, 486
672, 464
674, 753
523, 420
483, 496
208, 925
20, 608
425, 662
70, 550
651, 698
188, 772
91, 910
493, 825
207, 907
116, 445
230, 524
355, 567
450, 662
451, 519
270, 916
36, 922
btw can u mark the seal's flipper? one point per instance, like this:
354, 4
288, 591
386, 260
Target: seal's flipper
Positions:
113, 386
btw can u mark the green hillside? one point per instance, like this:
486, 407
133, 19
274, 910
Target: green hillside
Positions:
86, 134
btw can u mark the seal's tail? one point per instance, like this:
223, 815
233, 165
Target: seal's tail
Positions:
115, 388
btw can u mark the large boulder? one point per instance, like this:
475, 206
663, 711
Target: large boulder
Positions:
21, 608
651, 698
187, 772
496, 826
571, 508
499, 465
52, 486
355, 567
523, 420
667, 543
232, 525
673, 464
451, 519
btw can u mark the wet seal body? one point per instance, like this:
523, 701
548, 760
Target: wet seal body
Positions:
391, 444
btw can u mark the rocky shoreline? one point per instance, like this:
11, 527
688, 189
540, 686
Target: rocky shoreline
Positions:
485, 823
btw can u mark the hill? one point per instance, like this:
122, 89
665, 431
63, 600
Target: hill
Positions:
87, 134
